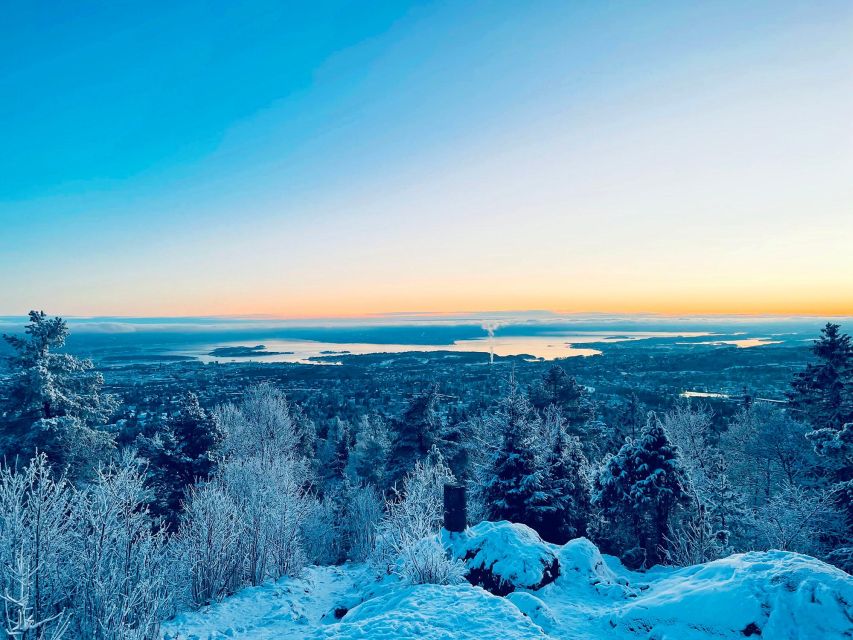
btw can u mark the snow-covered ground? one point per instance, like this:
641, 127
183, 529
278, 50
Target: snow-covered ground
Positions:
774, 595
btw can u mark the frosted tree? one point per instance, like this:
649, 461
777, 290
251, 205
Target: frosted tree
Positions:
271, 502
694, 541
119, 559
766, 448
208, 544
36, 541
414, 433
566, 483
185, 449
515, 487
261, 425
796, 519
362, 515
642, 485
369, 456
726, 511
690, 428
406, 539
55, 401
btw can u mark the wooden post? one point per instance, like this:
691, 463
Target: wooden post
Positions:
455, 509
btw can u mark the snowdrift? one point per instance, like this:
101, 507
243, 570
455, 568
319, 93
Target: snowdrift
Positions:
771, 595
432, 611
768, 596
502, 557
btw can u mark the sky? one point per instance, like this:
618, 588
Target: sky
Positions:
305, 159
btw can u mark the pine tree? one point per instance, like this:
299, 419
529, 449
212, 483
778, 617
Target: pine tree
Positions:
55, 402
515, 489
631, 419
185, 449
642, 484
822, 395
568, 487
415, 433
370, 453
725, 505
557, 388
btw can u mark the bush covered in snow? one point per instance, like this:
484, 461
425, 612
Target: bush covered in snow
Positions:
504, 556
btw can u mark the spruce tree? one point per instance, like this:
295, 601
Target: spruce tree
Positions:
415, 433
369, 455
641, 485
822, 394
183, 450
568, 487
55, 402
515, 487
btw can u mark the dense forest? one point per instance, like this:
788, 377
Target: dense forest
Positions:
110, 524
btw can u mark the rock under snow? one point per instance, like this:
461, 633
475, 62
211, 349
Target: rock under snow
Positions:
775, 594
434, 612
502, 556
764, 596
534, 608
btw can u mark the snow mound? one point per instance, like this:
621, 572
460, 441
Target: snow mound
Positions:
435, 612
580, 558
502, 556
774, 594
533, 608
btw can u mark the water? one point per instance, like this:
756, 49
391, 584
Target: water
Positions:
548, 347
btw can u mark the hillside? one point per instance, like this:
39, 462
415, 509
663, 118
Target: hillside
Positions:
771, 595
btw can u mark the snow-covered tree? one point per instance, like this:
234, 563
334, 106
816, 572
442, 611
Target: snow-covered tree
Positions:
185, 449
414, 512
566, 483
119, 560
823, 393
515, 486
641, 486
369, 456
55, 402
414, 433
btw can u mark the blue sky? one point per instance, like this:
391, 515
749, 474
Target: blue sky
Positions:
346, 158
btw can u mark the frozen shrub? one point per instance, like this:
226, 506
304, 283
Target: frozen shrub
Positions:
119, 558
412, 514
209, 543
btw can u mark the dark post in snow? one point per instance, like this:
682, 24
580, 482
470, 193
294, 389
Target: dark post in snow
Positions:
455, 511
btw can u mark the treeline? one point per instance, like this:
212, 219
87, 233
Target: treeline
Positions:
105, 532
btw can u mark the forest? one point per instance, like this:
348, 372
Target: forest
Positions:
110, 525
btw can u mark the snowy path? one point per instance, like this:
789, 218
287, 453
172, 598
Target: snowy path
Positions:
289, 608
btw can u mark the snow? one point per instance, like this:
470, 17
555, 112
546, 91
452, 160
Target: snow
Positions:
785, 596
436, 612
512, 553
